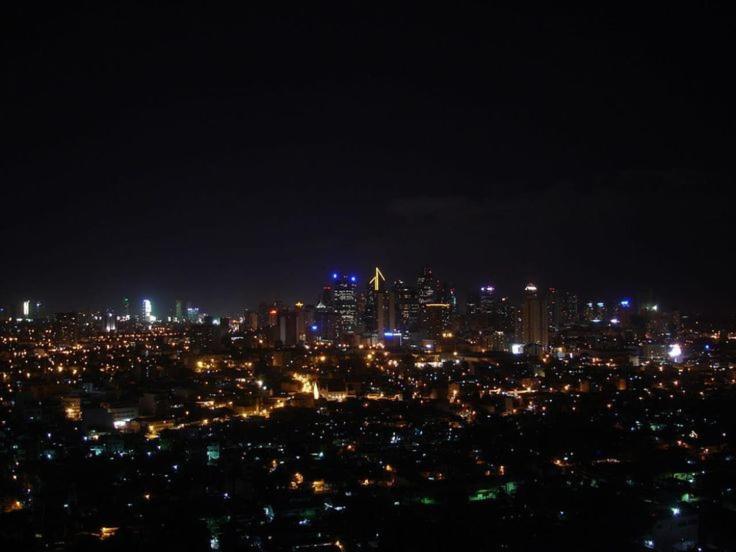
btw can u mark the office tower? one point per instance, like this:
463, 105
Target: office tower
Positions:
288, 327
377, 316
427, 293
472, 304
272, 317
568, 308
487, 311
622, 312
446, 296
126, 308
325, 323
435, 319
192, 314
534, 326
110, 322
505, 316
554, 314
487, 300
147, 310
426, 287
250, 320
344, 302
179, 310
595, 311
326, 298
407, 307
300, 322
25, 308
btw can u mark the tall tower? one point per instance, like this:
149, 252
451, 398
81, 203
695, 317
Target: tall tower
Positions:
426, 287
147, 310
379, 304
534, 328
344, 302
406, 307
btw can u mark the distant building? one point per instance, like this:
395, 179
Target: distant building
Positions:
344, 302
534, 325
147, 310
407, 306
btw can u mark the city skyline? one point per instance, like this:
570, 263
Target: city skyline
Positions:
166, 301
350, 276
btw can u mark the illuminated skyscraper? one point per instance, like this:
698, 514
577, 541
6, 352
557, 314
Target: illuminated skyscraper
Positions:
407, 307
147, 310
426, 287
110, 322
378, 316
487, 300
344, 303
534, 326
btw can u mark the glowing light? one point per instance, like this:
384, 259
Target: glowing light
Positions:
376, 280
530, 287
107, 532
147, 309
675, 351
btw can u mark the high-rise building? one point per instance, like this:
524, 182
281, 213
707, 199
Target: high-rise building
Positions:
250, 320
407, 306
31, 309
554, 313
487, 300
147, 310
378, 316
595, 311
436, 318
325, 323
110, 322
344, 303
179, 310
534, 325
192, 313
622, 312
506, 315
426, 287
568, 308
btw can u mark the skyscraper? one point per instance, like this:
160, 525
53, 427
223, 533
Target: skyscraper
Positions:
179, 310
147, 310
407, 307
534, 326
426, 287
568, 308
344, 302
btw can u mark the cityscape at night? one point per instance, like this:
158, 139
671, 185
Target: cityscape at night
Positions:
355, 277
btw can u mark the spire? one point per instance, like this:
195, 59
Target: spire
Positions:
376, 280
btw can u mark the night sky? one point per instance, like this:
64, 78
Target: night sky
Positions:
227, 157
